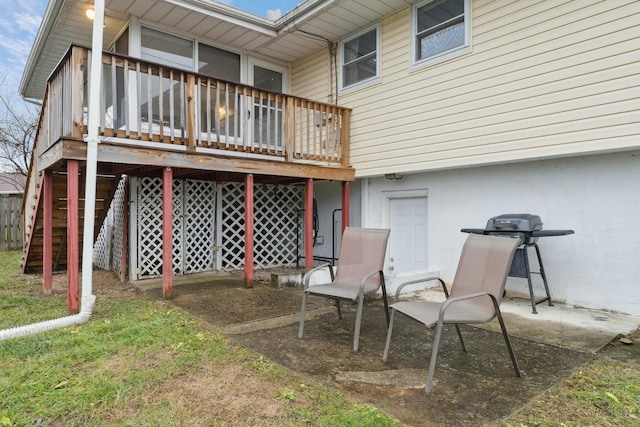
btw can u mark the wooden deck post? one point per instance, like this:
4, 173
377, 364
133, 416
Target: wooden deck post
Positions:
167, 233
73, 238
345, 204
308, 224
47, 233
248, 231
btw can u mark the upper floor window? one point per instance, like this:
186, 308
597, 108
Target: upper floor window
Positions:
163, 48
440, 28
360, 58
218, 63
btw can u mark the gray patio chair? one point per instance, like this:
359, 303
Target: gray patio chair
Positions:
358, 273
475, 296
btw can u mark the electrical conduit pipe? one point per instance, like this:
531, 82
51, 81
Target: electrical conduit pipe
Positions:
87, 298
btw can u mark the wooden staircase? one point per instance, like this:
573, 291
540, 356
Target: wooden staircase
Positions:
32, 261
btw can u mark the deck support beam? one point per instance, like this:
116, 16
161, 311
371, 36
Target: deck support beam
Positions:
73, 238
248, 231
308, 224
345, 204
47, 237
167, 233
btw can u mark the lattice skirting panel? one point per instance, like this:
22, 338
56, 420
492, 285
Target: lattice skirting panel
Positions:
108, 247
276, 208
206, 238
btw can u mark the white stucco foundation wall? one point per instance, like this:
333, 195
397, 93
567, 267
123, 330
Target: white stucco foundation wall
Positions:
596, 196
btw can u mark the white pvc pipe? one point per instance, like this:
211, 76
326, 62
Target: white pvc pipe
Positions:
92, 153
87, 298
47, 325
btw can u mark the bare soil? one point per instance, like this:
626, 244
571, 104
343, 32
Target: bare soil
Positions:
474, 388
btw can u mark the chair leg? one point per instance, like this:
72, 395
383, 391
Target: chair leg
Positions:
460, 336
384, 297
434, 355
356, 335
338, 308
302, 313
389, 332
516, 367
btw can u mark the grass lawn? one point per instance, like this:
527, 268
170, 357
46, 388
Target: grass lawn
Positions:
139, 361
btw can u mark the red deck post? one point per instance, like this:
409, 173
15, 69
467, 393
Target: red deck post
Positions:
167, 233
345, 204
308, 224
47, 238
248, 231
73, 238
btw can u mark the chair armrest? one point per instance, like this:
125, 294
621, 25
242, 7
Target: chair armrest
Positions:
365, 278
450, 301
308, 274
426, 279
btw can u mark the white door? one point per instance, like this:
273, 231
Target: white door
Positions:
408, 239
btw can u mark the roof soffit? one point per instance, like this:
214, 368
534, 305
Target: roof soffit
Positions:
295, 35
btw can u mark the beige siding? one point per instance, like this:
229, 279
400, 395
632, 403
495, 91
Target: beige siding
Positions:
545, 78
310, 78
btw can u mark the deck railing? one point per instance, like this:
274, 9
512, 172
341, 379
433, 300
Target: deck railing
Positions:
143, 101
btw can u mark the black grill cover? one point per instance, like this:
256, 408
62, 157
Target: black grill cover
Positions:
514, 222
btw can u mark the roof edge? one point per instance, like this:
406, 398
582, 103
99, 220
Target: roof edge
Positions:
48, 20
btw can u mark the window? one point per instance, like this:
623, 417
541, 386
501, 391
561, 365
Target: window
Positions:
440, 28
166, 49
218, 63
122, 44
360, 58
266, 79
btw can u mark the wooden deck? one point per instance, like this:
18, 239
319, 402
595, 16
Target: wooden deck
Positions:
153, 118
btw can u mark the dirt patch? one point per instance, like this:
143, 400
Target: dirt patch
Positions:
226, 301
625, 348
478, 387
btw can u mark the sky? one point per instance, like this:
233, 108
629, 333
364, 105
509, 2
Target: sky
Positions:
20, 20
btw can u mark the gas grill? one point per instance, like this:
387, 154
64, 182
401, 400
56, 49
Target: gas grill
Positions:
527, 228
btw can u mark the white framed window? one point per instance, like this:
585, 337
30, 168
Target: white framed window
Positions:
360, 58
440, 29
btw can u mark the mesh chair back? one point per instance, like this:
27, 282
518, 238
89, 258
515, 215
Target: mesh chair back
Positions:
362, 252
484, 265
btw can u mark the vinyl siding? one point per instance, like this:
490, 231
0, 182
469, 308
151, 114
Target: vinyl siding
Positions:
310, 78
544, 79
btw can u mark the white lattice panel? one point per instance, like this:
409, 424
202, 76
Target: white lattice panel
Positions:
107, 249
193, 219
177, 239
275, 210
199, 220
118, 242
149, 220
232, 226
101, 246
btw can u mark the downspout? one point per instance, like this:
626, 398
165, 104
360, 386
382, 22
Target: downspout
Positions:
87, 298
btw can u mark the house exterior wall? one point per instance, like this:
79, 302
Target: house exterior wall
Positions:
540, 117
544, 79
310, 78
596, 196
